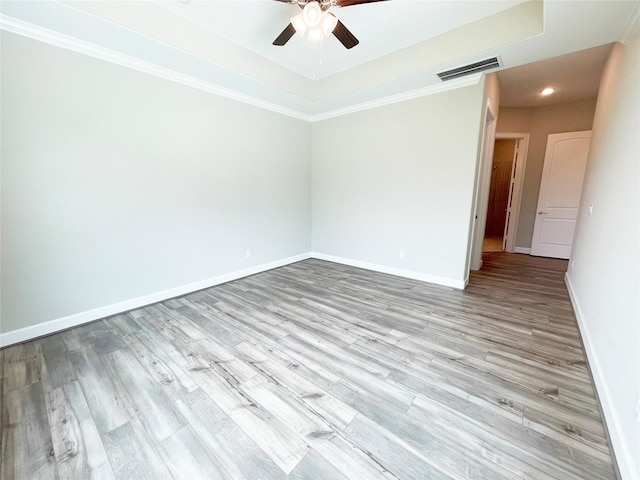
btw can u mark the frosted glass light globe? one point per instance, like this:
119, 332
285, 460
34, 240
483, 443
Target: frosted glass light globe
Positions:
312, 14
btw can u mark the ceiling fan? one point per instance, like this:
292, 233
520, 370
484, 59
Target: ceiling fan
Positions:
316, 22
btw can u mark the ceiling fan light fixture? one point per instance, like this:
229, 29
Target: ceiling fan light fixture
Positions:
329, 23
299, 24
312, 14
315, 34
313, 23
316, 23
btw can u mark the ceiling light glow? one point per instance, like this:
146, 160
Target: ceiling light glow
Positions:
547, 91
299, 24
313, 23
329, 23
312, 14
315, 34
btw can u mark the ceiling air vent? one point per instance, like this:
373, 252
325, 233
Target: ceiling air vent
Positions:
480, 66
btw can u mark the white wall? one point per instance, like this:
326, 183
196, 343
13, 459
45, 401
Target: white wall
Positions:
604, 281
116, 184
399, 177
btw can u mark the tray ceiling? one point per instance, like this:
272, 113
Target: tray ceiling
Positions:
225, 46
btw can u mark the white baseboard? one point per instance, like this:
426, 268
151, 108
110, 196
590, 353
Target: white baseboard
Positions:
625, 460
522, 250
447, 282
58, 324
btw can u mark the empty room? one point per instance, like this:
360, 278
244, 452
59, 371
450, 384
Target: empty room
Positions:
313, 239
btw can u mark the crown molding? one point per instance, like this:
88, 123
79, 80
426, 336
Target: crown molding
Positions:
35, 32
400, 97
51, 37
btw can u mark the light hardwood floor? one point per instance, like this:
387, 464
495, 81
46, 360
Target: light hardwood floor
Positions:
316, 370
492, 244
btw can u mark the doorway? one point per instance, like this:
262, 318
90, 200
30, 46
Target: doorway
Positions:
505, 191
504, 153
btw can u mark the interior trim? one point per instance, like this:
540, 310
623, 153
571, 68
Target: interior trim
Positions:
52, 326
517, 176
621, 450
424, 277
64, 323
51, 37
400, 97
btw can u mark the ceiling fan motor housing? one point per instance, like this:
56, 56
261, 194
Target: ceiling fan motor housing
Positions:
324, 4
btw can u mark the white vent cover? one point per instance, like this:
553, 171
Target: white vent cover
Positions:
480, 66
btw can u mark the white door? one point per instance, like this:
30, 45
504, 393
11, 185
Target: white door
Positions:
562, 175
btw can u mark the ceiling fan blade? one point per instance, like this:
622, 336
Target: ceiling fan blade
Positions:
348, 3
343, 34
285, 36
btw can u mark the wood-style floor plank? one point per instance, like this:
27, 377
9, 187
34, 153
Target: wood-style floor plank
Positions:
316, 371
240, 456
454, 459
133, 454
77, 446
398, 457
110, 406
150, 402
315, 467
165, 371
56, 370
27, 446
274, 437
187, 457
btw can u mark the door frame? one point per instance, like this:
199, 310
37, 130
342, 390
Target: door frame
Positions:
483, 180
517, 181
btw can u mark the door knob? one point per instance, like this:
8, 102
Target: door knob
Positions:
542, 213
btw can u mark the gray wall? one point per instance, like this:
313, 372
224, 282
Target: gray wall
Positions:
540, 122
604, 271
116, 184
399, 177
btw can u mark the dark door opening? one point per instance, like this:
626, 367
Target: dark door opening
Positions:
499, 192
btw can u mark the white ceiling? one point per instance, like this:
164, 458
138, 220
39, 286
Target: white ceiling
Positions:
383, 28
574, 76
225, 46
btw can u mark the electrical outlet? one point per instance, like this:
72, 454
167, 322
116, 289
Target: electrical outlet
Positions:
573, 262
401, 254
591, 209
247, 254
